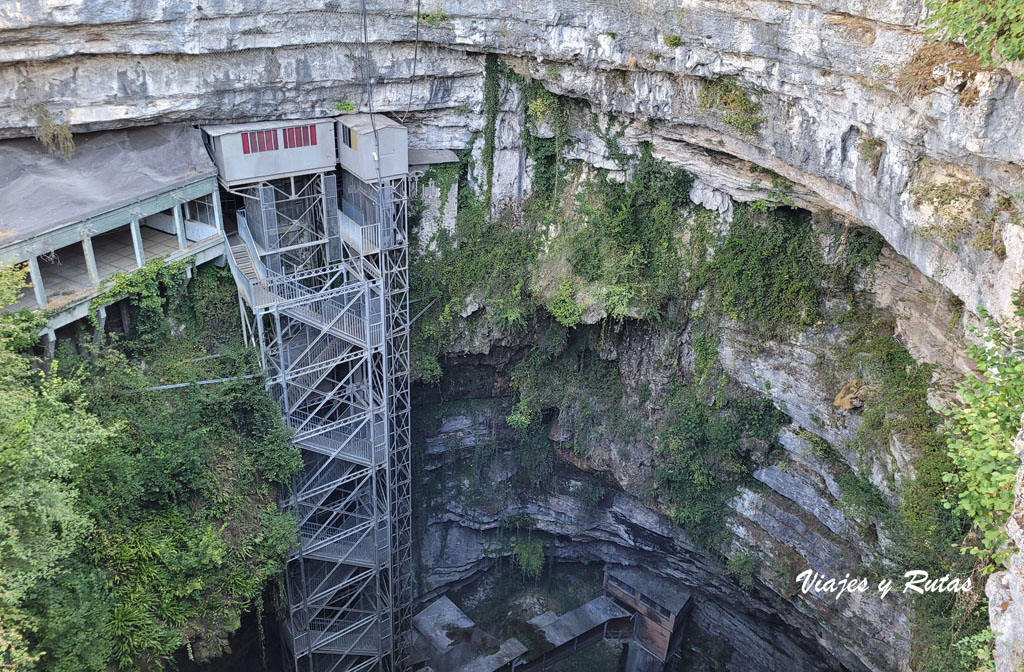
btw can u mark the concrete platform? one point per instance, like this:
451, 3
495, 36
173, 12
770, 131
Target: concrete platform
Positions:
66, 277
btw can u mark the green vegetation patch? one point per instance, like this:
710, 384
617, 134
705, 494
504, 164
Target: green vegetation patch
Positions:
981, 432
435, 18
139, 520
991, 31
923, 532
705, 451
725, 96
626, 242
767, 273
965, 210
870, 151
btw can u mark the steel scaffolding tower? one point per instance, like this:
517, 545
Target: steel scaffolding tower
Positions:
327, 292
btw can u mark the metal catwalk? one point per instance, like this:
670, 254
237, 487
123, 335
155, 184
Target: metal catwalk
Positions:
324, 288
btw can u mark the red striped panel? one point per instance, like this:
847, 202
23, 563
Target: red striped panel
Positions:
261, 142
312, 134
289, 138
273, 134
245, 143
305, 135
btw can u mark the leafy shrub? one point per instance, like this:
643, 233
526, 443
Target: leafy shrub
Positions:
990, 30
57, 138
589, 494
870, 150
982, 430
743, 567
673, 41
435, 18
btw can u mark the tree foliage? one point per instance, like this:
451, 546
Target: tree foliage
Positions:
134, 520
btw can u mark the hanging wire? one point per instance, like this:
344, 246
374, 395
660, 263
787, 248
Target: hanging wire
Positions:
415, 58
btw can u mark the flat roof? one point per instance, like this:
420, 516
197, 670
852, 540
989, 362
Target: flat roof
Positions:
360, 123
108, 170
429, 157
438, 620
226, 129
509, 650
660, 589
572, 624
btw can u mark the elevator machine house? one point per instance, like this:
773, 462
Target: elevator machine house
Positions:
320, 257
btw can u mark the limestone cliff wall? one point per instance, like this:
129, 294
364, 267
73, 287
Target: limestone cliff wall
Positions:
1005, 588
826, 74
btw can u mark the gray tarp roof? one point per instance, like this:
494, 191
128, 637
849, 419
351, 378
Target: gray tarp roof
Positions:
108, 170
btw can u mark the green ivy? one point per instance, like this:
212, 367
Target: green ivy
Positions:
627, 241
148, 290
492, 93
767, 272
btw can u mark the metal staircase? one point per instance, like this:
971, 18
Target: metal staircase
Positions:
332, 325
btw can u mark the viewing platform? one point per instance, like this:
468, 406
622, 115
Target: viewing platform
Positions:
122, 199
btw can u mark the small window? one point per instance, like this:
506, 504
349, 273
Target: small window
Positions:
299, 136
346, 136
655, 607
259, 141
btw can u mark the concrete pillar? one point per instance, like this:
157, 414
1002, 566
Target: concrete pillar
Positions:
140, 255
90, 259
179, 227
51, 344
101, 325
218, 213
37, 281
125, 316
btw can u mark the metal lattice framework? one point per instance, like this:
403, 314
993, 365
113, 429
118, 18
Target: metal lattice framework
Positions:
327, 299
